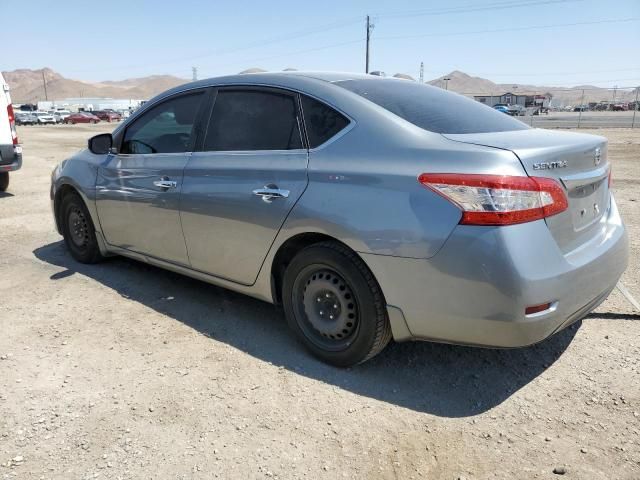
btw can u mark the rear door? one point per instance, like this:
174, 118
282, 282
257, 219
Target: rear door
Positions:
578, 161
240, 187
138, 190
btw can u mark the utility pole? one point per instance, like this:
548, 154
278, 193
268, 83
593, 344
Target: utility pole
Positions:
421, 72
44, 83
581, 107
369, 29
635, 107
194, 73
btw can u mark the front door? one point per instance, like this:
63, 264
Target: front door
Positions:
138, 190
239, 189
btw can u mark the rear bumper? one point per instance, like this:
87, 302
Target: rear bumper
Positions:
475, 289
10, 157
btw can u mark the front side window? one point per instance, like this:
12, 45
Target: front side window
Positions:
321, 121
165, 128
253, 120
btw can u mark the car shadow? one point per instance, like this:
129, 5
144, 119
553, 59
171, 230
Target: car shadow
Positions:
5, 194
614, 316
443, 380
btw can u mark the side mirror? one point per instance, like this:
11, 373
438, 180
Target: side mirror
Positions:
101, 144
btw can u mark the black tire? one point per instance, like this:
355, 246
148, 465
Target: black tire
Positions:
78, 230
328, 278
4, 181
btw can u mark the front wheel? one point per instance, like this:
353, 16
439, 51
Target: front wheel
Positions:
335, 305
78, 230
4, 181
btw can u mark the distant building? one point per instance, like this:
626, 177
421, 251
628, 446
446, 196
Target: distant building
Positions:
521, 98
90, 104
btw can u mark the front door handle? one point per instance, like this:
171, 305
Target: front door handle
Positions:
165, 183
270, 192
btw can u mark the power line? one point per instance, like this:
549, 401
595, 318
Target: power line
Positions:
298, 52
332, 26
471, 8
258, 43
512, 29
434, 35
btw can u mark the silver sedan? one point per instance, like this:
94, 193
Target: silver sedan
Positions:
369, 208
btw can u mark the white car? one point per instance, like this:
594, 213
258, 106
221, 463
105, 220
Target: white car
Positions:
60, 115
10, 148
45, 118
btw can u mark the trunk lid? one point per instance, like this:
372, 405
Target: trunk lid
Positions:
579, 161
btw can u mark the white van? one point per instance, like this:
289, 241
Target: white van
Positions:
10, 149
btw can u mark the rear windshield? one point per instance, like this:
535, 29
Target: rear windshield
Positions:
432, 108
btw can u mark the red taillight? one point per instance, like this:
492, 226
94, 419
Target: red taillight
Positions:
498, 199
12, 124
537, 308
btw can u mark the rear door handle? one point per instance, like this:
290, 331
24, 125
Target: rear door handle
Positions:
269, 193
165, 183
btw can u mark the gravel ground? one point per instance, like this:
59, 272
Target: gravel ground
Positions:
125, 371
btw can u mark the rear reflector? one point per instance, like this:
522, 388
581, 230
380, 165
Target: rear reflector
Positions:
537, 308
12, 124
498, 199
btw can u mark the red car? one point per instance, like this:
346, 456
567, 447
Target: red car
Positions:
81, 117
108, 115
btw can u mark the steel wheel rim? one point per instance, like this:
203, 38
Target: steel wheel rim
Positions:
78, 227
326, 307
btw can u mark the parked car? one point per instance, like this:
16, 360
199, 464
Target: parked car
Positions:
44, 118
60, 115
10, 148
581, 108
620, 107
81, 117
502, 108
108, 115
26, 118
517, 110
370, 208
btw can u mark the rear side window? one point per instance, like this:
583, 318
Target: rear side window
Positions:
165, 128
321, 121
432, 108
253, 120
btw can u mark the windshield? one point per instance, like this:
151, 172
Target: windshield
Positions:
432, 108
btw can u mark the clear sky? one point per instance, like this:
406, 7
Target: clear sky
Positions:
503, 40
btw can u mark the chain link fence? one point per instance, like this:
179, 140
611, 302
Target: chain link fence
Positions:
588, 107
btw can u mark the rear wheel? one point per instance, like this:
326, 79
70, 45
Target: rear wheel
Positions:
334, 305
4, 181
78, 230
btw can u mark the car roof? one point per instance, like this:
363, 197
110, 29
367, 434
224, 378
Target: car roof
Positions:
300, 80
279, 76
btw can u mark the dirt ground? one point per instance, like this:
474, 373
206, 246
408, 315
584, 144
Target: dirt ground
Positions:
125, 371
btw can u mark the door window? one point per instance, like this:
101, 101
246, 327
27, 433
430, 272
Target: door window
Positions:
321, 121
165, 128
253, 120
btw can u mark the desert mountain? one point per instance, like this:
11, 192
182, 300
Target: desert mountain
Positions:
27, 86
